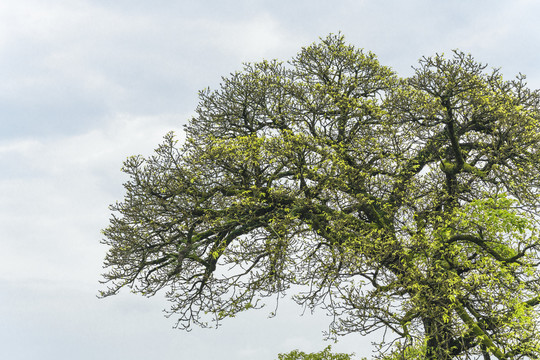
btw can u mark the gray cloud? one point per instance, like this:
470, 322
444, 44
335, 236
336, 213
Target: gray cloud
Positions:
87, 83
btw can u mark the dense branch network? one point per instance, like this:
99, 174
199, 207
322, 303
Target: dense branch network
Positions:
406, 204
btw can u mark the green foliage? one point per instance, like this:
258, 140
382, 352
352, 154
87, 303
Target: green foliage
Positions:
326, 354
409, 205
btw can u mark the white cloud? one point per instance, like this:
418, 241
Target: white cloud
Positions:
55, 194
253, 39
70, 63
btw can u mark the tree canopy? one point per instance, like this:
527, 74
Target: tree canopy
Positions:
406, 204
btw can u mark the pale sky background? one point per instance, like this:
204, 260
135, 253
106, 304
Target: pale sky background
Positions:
84, 84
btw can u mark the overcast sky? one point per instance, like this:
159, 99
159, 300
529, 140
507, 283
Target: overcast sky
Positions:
84, 84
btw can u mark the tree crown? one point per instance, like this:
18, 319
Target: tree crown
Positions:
401, 203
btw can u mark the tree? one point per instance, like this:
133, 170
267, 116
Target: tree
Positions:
326, 354
405, 204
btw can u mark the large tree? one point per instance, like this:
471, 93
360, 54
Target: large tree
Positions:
409, 204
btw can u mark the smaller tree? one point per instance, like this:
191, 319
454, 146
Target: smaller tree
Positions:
326, 354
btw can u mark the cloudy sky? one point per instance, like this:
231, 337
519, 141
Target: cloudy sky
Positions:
86, 83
